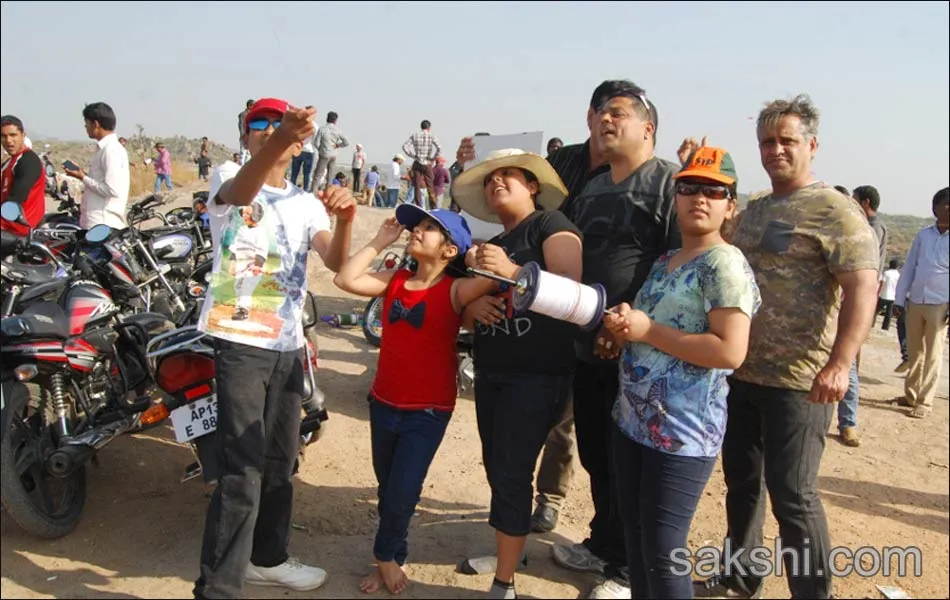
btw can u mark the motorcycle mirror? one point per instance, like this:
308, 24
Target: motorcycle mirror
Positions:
13, 212
309, 318
98, 234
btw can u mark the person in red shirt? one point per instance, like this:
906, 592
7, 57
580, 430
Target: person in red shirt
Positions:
21, 176
410, 406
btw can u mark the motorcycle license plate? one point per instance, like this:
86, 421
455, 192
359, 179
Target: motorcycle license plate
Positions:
196, 419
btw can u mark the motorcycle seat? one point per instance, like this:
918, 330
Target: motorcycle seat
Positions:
42, 320
9, 242
29, 274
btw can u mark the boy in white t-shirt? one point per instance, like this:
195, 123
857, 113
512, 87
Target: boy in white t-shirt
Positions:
889, 279
259, 356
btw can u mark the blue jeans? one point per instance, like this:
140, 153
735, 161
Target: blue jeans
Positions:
902, 336
159, 178
848, 406
304, 161
404, 443
657, 496
392, 197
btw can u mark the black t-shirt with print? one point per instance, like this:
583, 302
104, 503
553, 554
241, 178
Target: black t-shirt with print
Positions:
529, 342
626, 226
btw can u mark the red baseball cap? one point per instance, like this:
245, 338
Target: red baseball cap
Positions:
265, 106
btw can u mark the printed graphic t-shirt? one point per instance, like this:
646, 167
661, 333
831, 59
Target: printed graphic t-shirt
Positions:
259, 275
626, 226
666, 403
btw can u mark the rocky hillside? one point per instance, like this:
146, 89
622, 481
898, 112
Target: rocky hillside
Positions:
140, 147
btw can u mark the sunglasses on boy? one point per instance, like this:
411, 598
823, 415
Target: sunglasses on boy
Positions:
711, 191
262, 124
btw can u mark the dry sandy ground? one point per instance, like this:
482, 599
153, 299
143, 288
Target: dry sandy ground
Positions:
141, 532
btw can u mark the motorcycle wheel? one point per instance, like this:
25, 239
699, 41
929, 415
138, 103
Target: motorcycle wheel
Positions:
45, 506
373, 321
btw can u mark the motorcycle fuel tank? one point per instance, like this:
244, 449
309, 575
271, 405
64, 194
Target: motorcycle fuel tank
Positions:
87, 305
174, 246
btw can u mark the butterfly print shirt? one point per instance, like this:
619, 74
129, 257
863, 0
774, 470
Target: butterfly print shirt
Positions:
664, 402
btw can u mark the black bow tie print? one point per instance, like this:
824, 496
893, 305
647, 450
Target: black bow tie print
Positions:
414, 316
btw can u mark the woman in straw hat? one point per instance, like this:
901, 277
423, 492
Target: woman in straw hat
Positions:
523, 363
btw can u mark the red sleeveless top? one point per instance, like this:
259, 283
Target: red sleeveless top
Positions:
418, 363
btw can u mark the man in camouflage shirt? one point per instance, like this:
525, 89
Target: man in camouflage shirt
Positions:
815, 260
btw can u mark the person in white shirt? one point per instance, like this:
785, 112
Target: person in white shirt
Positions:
394, 179
889, 279
259, 359
359, 159
105, 193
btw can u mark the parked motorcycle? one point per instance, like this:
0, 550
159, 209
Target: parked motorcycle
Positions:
75, 377
183, 362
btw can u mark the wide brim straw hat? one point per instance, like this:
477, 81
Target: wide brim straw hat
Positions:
468, 189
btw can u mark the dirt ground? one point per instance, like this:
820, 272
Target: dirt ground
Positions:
141, 532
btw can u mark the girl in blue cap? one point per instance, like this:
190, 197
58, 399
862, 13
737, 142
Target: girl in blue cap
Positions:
410, 407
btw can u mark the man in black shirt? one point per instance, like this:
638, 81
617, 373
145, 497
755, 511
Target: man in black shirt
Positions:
625, 211
627, 218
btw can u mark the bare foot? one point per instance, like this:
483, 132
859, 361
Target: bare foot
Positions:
393, 576
372, 583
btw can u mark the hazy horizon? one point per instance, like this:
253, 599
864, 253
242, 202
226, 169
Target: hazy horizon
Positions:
878, 72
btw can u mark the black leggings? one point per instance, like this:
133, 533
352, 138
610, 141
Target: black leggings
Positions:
515, 414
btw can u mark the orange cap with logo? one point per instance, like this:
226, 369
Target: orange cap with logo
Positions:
709, 162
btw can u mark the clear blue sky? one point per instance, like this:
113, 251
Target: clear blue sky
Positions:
877, 71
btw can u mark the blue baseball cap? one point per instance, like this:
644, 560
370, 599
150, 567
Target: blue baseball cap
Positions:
410, 215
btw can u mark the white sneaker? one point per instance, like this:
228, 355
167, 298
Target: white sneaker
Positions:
577, 557
292, 574
610, 588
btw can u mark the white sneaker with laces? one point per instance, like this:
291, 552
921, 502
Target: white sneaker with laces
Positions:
291, 574
610, 588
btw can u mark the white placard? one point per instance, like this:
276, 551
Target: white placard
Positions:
532, 141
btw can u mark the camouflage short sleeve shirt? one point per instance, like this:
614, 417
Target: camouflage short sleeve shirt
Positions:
796, 245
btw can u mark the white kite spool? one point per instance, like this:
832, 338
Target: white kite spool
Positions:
559, 297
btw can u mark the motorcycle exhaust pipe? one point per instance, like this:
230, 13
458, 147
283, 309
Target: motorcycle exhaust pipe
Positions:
74, 453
